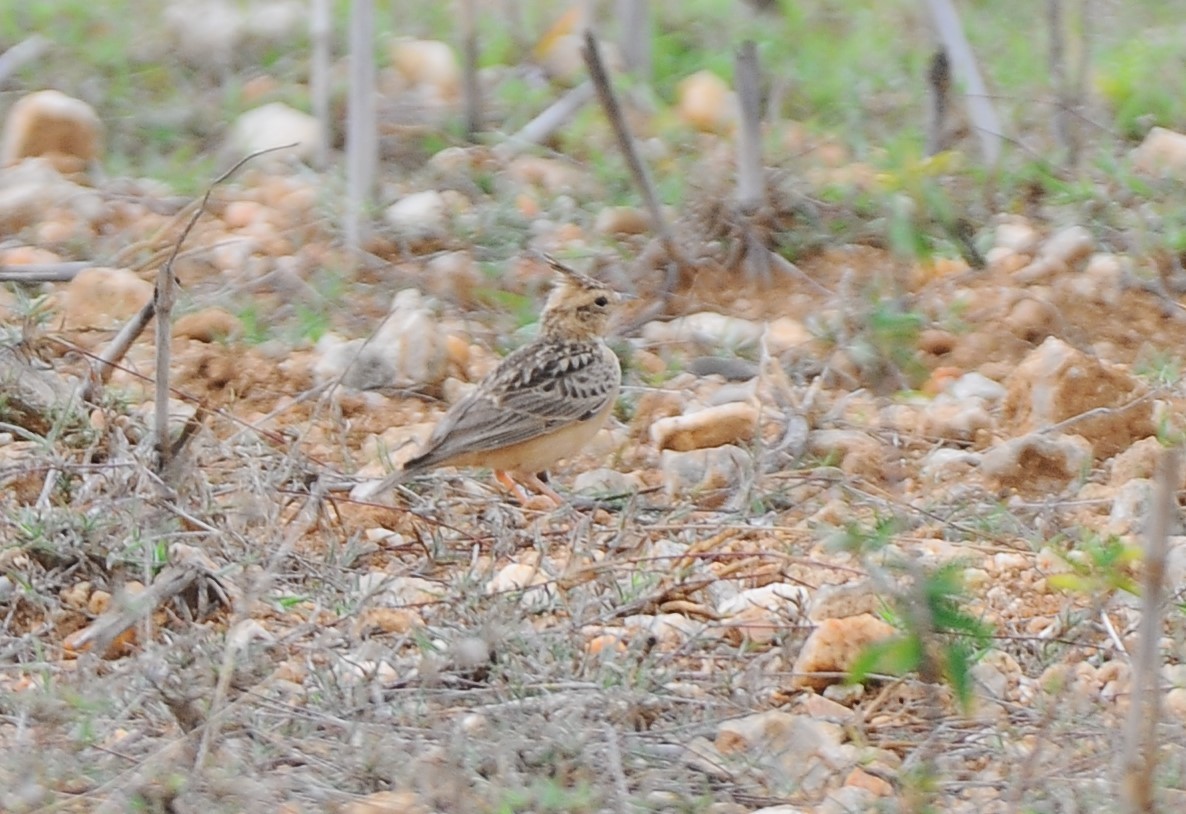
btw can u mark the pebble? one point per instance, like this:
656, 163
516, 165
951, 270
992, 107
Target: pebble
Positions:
621, 220
976, 386
707, 328
1130, 506
418, 217
1055, 382
731, 423
409, 350
33, 188
1162, 153
705, 102
104, 298
275, 125
48, 124
428, 65
833, 647
709, 476
208, 325
605, 481
953, 420
856, 452
1037, 462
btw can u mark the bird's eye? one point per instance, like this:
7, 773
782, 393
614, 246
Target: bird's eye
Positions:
601, 302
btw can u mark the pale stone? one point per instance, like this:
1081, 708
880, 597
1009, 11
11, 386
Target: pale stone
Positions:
621, 220
208, 325
1037, 462
1055, 382
51, 125
731, 423
32, 187
1163, 153
711, 476
104, 297
976, 386
708, 328
706, 102
1017, 236
275, 125
856, 452
834, 646
420, 216
409, 350
428, 64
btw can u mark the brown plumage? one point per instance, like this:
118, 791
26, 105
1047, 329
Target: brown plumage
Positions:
542, 403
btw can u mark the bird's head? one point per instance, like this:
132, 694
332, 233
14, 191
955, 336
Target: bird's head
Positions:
579, 307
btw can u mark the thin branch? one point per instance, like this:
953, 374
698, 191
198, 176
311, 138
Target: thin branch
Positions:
1139, 758
984, 116
362, 142
321, 35
43, 272
18, 56
939, 87
626, 143
471, 88
105, 362
549, 121
1058, 74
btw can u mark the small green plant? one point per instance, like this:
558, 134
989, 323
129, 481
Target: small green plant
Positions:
938, 638
1100, 565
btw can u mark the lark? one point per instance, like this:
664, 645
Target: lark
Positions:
542, 403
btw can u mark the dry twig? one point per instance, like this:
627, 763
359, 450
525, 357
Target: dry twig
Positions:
626, 143
1138, 765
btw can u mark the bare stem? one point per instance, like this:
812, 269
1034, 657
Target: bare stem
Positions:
1139, 757
638, 170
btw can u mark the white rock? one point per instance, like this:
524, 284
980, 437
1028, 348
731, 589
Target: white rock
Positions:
32, 187
1037, 459
1130, 506
1163, 152
408, 350
782, 597
606, 481
419, 216
275, 125
519, 576
954, 420
976, 386
428, 65
712, 476
1017, 236
1068, 246
706, 327
945, 463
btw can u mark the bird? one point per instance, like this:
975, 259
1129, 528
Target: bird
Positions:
543, 402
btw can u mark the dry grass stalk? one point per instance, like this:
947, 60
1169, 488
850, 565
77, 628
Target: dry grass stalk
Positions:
939, 88
321, 35
751, 174
626, 143
1058, 75
362, 133
981, 111
62, 272
634, 36
555, 116
1138, 766
471, 88
105, 363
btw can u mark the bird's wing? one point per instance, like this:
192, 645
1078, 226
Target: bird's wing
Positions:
536, 390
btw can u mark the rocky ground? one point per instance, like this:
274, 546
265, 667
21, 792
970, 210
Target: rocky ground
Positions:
794, 464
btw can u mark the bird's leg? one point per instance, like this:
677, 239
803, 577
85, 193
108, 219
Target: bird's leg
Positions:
537, 483
544, 491
511, 485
